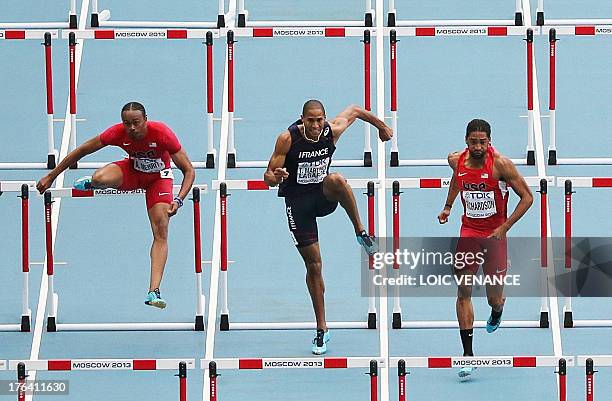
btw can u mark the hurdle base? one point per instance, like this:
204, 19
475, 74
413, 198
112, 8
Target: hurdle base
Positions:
295, 325
368, 19
199, 323
224, 323
210, 160
51, 326
221, 21
231, 160
394, 159
540, 18
367, 159
25, 323
518, 18
544, 324
391, 19
372, 320
73, 21
397, 320
552, 157
531, 157
95, 22
450, 324
241, 20
51, 161
568, 319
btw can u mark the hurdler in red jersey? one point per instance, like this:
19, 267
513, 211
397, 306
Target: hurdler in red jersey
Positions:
482, 177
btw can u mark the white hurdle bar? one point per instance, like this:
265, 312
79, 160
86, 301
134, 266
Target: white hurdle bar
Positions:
591, 30
24, 188
272, 32
258, 185
373, 364
46, 36
393, 21
569, 183
243, 20
146, 34
71, 23
433, 183
53, 298
443, 31
448, 362
102, 19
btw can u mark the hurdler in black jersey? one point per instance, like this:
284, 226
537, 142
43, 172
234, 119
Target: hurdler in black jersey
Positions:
300, 165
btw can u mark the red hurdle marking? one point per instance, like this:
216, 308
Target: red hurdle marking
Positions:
529, 70
590, 380
393, 55
72, 61
367, 70
568, 224
223, 207
209, 72
552, 43
101, 364
543, 223
585, 30
230, 71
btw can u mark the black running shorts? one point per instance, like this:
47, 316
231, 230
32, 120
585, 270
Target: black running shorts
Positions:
302, 212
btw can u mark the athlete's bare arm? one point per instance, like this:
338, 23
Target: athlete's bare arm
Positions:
275, 173
453, 189
348, 116
508, 172
181, 160
90, 146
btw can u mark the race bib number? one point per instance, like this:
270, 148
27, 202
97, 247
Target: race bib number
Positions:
479, 204
167, 173
312, 172
149, 165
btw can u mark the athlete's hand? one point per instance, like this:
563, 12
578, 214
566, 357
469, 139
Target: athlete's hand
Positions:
174, 207
44, 183
280, 174
499, 232
443, 216
385, 134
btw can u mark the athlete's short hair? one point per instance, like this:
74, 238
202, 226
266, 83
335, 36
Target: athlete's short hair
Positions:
478, 125
134, 106
312, 104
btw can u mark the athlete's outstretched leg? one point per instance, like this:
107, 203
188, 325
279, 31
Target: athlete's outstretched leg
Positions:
336, 188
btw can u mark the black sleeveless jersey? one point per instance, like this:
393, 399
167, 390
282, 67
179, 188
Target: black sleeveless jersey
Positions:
306, 162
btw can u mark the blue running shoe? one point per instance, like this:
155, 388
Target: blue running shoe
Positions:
154, 299
493, 324
367, 243
465, 373
83, 183
319, 344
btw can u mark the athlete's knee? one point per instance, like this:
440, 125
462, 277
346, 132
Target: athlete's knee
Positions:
464, 294
159, 224
105, 178
314, 268
335, 181
496, 301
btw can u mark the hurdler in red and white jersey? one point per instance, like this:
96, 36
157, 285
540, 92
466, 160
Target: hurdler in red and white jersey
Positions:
484, 198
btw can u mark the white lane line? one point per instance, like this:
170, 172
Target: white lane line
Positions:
59, 182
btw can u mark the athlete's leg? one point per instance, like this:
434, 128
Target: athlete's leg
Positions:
314, 281
109, 176
336, 188
159, 219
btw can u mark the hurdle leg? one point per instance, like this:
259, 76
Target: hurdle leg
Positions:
393, 50
518, 14
211, 153
530, 123
590, 383
401, 378
562, 372
371, 271
544, 323
72, 61
52, 298
231, 150
242, 14
200, 298
373, 380
391, 13
182, 375
397, 309
224, 322
367, 148
26, 313
369, 13
212, 375
552, 106
52, 152
540, 13
21, 379
567, 308
72, 17
221, 15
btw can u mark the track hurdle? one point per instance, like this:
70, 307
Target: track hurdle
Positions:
272, 32
53, 298
243, 19
569, 183
258, 185
447, 362
552, 92
433, 183
442, 31
169, 34
540, 20
97, 365
46, 36
102, 19
213, 365
393, 21
24, 189
70, 23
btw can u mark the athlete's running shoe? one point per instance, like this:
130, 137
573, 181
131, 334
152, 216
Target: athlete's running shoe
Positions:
367, 243
465, 373
83, 183
154, 299
319, 344
493, 324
